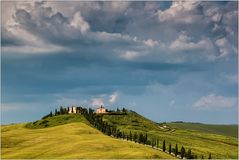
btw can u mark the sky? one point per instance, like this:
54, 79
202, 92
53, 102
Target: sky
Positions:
169, 61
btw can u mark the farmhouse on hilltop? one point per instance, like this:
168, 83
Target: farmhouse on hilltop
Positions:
101, 109
72, 110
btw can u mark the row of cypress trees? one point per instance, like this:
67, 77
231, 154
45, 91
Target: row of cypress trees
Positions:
182, 153
96, 121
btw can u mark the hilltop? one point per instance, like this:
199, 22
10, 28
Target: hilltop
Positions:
201, 140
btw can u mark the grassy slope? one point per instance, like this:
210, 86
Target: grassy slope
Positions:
57, 120
227, 130
73, 140
200, 142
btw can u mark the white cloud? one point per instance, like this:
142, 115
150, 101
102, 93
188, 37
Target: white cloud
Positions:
224, 47
113, 97
34, 49
179, 12
130, 55
79, 23
230, 21
96, 102
213, 101
111, 37
118, 6
214, 14
184, 43
150, 43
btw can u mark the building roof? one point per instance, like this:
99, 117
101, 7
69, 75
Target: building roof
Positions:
100, 107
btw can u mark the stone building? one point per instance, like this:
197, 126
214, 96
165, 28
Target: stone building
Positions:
72, 110
101, 109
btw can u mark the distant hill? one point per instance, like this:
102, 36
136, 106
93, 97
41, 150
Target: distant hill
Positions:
219, 140
68, 136
227, 130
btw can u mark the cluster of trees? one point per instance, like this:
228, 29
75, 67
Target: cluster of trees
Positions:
117, 112
57, 112
61, 111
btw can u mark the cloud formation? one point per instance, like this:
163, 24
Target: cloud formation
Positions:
79, 23
114, 97
42, 27
213, 101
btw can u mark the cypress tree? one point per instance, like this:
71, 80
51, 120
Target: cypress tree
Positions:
130, 136
65, 111
61, 110
55, 112
189, 156
120, 134
135, 137
164, 146
182, 152
170, 148
146, 138
51, 114
152, 143
176, 150
210, 156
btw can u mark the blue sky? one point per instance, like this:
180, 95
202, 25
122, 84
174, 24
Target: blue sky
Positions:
170, 61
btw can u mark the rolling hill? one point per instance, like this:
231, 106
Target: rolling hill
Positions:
227, 130
73, 136
68, 136
219, 140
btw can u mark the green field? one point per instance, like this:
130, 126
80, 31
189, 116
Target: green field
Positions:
68, 136
220, 140
227, 130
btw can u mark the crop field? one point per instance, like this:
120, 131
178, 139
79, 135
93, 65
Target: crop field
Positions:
68, 140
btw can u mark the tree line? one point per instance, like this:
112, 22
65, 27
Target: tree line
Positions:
142, 138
